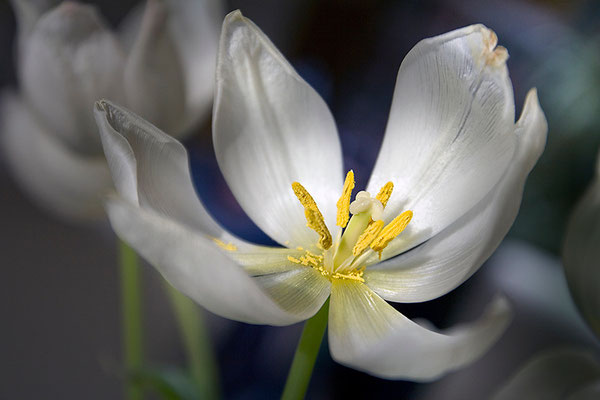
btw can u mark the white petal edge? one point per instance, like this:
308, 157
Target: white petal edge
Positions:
150, 168
153, 76
551, 375
71, 60
448, 259
581, 254
65, 183
270, 128
194, 265
194, 27
449, 137
27, 13
368, 334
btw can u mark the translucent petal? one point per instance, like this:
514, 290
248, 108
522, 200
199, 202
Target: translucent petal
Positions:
449, 137
197, 267
368, 334
270, 128
449, 258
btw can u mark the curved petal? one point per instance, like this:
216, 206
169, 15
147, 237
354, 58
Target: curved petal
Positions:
61, 181
154, 83
368, 334
150, 168
270, 129
197, 267
581, 254
449, 137
552, 375
448, 259
71, 60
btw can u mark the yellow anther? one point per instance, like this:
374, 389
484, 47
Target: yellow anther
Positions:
367, 237
225, 246
384, 194
343, 204
391, 231
313, 216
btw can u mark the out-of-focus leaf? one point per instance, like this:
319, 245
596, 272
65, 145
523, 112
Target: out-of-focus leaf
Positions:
170, 383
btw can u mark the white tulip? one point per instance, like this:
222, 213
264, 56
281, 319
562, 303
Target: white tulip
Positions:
161, 65
456, 160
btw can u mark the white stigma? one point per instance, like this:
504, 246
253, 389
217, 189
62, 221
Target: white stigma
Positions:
364, 202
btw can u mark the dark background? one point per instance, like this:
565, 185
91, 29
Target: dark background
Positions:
59, 301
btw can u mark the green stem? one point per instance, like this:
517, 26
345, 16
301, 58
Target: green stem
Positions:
131, 317
201, 359
306, 355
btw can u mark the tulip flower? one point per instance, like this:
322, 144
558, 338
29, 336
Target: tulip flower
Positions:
447, 186
161, 65
581, 254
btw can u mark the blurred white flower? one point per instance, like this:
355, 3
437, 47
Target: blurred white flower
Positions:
581, 253
161, 65
555, 374
451, 171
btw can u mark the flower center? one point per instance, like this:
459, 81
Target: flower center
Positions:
358, 236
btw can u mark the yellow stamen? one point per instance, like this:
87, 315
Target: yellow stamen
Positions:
384, 194
225, 246
313, 216
391, 231
343, 204
367, 237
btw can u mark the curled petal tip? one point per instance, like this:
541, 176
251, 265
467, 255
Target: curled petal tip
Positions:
235, 15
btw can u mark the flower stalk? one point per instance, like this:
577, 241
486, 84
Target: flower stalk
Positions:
306, 355
131, 312
201, 359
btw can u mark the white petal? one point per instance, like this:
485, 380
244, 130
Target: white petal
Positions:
449, 137
297, 290
150, 168
368, 334
63, 182
581, 254
70, 61
194, 26
270, 129
448, 259
552, 375
27, 13
154, 81
194, 265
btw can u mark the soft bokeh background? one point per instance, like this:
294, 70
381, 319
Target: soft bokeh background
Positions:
59, 303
